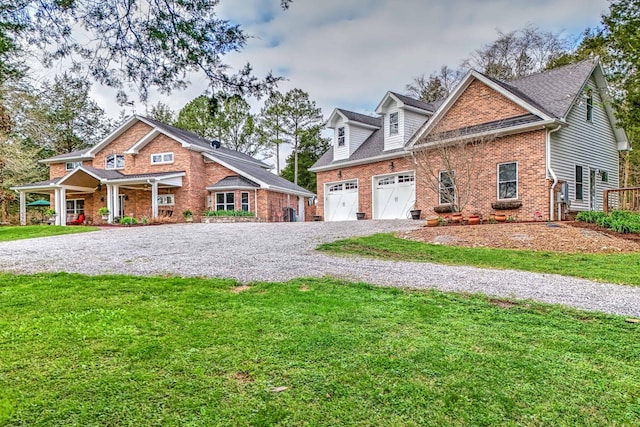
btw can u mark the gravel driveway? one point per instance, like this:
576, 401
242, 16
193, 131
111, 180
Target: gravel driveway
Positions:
278, 252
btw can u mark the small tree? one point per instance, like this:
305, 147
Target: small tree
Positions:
452, 164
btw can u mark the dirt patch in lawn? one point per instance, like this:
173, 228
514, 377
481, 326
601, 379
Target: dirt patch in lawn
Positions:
556, 237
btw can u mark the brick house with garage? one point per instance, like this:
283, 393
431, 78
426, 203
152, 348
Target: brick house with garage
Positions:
146, 168
552, 146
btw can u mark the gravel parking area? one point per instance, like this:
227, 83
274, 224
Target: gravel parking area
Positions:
279, 252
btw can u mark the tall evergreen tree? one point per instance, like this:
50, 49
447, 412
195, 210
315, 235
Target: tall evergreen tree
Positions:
300, 114
270, 124
312, 147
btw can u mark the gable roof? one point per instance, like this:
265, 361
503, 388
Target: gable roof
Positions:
351, 116
405, 101
235, 181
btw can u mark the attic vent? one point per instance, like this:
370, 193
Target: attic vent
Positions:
215, 144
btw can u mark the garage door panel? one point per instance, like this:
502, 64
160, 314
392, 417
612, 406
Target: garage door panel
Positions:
341, 201
394, 196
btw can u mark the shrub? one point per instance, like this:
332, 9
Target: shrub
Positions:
228, 213
590, 216
127, 220
620, 226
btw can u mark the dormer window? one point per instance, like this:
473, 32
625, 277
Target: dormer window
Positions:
341, 136
114, 161
393, 124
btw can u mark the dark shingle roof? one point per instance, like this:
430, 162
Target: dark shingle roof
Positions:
427, 106
361, 118
72, 155
194, 139
261, 174
234, 181
555, 90
485, 127
104, 173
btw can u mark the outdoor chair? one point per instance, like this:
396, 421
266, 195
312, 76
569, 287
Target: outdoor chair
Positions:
77, 221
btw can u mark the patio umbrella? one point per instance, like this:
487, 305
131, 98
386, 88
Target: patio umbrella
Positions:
40, 202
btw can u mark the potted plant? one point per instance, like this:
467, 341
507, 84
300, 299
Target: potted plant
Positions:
188, 215
51, 213
104, 212
433, 221
360, 215
456, 217
500, 217
415, 213
473, 219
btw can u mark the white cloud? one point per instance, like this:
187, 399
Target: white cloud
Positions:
349, 53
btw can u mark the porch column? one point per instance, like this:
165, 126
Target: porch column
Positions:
116, 200
301, 203
56, 202
62, 218
154, 199
23, 208
110, 203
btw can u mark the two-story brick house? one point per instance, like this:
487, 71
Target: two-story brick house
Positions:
549, 133
146, 168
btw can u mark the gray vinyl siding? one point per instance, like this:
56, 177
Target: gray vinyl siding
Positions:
412, 122
357, 136
591, 145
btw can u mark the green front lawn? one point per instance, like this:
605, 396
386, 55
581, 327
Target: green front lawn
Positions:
614, 268
118, 350
29, 231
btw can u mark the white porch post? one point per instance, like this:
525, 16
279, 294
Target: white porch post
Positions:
116, 200
62, 218
110, 203
23, 208
154, 199
301, 203
56, 201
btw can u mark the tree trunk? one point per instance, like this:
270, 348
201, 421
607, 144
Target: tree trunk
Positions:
278, 159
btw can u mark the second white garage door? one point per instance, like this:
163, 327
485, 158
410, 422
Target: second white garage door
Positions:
341, 201
394, 196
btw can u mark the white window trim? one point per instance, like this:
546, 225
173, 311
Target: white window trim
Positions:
394, 130
75, 205
115, 161
162, 161
163, 199
225, 203
75, 165
440, 188
498, 180
344, 136
327, 185
248, 204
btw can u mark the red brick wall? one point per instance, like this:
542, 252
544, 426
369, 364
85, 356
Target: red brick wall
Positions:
528, 149
476, 105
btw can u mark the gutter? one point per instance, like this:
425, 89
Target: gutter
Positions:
552, 201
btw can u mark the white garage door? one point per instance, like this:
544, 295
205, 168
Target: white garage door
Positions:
394, 196
341, 201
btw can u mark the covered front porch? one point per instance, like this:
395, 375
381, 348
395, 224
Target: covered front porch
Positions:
85, 190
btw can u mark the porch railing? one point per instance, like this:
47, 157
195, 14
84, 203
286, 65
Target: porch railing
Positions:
626, 199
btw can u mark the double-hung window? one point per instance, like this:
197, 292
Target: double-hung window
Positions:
508, 181
72, 165
244, 201
341, 136
114, 161
393, 124
166, 200
579, 182
447, 188
225, 201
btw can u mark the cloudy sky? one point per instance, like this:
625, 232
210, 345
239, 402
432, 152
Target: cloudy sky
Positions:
348, 53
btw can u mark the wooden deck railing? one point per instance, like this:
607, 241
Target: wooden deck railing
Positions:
626, 199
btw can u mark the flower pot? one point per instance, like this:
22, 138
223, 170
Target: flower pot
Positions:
105, 217
188, 218
473, 220
456, 217
317, 218
360, 215
433, 221
415, 213
501, 217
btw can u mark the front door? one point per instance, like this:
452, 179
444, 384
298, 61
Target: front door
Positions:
592, 189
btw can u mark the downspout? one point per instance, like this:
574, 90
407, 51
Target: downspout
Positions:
552, 201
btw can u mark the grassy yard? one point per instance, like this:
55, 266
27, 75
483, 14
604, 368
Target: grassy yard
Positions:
117, 350
614, 268
29, 231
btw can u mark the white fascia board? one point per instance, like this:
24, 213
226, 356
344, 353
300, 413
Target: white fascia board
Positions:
135, 149
373, 159
112, 136
76, 170
230, 187
66, 159
236, 170
36, 188
497, 133
362, 125
386, 96
79, 188
292, 192
144, 179
332, 117
417, 110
